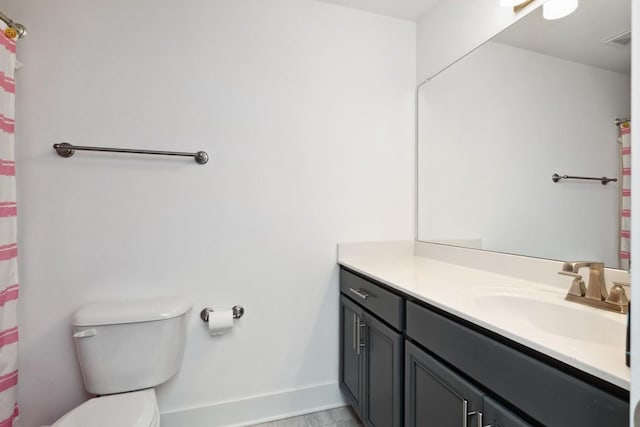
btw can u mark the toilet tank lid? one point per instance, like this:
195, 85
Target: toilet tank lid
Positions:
130, 311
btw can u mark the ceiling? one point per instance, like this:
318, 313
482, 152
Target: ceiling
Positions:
578, 37
405, 9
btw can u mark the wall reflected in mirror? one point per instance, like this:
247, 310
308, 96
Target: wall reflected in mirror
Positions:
540, 98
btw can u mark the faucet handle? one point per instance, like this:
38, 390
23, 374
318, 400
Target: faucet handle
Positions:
568, 273
574, 266
618, 296
578, 287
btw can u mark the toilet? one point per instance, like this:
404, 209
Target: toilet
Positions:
125, 348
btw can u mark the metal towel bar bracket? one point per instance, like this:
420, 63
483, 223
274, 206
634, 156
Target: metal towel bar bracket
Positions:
20, 29
238, 312
604, 180
65, 149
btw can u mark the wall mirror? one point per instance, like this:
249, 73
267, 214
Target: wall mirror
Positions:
541, 98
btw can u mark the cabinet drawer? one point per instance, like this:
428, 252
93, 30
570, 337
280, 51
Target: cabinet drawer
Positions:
381, 302
550, 395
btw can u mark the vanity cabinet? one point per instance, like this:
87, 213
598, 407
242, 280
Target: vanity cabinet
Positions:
382, 374
437, 395
549, 394
406, 363
350, 348
371, 352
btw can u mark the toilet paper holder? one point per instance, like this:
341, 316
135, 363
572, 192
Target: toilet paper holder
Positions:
238, 312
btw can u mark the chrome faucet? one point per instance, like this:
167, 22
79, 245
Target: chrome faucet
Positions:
595, 293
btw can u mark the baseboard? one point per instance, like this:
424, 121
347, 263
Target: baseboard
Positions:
258, 409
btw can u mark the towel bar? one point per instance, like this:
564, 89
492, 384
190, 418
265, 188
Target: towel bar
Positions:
604, 180
65, 149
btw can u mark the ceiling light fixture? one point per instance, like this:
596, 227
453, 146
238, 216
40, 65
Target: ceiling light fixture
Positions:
556, 9
517, 5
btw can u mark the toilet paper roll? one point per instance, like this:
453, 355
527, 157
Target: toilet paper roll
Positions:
220, 321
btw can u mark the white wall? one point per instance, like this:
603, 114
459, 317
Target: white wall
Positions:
494, 128
306, 110
455, 27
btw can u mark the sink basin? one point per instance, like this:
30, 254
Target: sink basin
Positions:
551, 314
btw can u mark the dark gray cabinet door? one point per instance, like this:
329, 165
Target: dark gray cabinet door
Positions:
435, 395
351, 353
383, 368
496, 415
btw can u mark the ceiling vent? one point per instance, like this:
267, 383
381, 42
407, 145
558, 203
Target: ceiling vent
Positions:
620, 40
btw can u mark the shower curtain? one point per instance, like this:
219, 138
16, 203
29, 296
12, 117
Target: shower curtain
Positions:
625, 195
8, 239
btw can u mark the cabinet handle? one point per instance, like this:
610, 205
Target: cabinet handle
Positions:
361, 325
359, 293
358, 336
354, 331
478, 415
465, 413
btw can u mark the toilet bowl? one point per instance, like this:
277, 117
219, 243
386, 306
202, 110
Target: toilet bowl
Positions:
134, 409
125, 348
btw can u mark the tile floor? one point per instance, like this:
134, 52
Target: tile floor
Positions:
339, 417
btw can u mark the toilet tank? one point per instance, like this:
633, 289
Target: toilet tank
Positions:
130, 345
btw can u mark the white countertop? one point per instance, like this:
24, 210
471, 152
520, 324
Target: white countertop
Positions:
425, 272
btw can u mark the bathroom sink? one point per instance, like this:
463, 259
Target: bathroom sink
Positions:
551, 314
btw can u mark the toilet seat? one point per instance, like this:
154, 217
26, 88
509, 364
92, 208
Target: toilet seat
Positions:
134, 409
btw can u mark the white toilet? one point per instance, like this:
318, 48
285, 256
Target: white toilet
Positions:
126, 348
